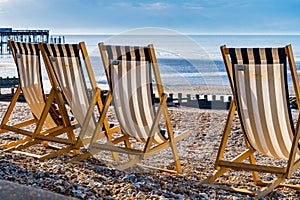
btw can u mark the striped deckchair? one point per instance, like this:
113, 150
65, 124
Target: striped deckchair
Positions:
258, 78
128, 70
64, 66
50, 121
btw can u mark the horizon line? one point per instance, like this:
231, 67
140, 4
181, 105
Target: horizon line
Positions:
182, 33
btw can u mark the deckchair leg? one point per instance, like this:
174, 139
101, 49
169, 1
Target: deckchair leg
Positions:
128, 145
270, 187
11, 105
162, 109
226, 132
223, 170
176, 157
219, 171
252, 161
171, 136
6, 118
113, 154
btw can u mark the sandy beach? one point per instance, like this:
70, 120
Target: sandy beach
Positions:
95, 179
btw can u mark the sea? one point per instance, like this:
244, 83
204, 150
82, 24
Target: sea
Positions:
183, 59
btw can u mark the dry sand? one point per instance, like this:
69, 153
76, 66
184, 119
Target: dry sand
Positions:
94, 180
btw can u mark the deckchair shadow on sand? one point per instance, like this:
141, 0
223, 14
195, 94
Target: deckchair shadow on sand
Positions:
128, 71
258, 78
66, 72
51, 119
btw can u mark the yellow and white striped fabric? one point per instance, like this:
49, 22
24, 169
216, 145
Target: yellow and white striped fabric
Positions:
260, 79
29, 69
131, 86
66, 64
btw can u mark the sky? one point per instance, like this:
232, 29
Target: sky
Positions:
189, 17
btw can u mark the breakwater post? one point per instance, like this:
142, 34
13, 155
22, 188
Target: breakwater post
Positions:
198, 101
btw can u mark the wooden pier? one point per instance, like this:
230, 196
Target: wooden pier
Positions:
21, 36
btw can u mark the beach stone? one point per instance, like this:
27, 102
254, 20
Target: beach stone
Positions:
137, 185
100, 169
280, 195
167, 195
129, 177
204, 196
141, 195
57, 166
60, 189
76, 192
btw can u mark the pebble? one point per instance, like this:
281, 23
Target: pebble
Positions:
129, 177
204, 195
100, 169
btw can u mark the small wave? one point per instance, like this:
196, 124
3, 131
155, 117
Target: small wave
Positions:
206, 74
102, 82
12, 65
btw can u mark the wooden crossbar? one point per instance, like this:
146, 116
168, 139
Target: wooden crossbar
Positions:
258, 168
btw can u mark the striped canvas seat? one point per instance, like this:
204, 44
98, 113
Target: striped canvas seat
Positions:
68, 71
29, 70
258, 79
129, 75
131, 84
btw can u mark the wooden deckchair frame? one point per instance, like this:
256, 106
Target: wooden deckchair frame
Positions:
148, 148
96, 101
38, 135
283, 173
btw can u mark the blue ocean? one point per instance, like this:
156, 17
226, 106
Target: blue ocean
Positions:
183, 59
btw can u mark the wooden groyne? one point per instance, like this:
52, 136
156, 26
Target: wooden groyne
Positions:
219, 102
198, 101
9, 83
57, 39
